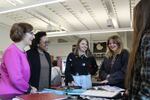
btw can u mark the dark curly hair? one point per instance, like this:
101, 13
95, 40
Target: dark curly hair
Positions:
37, 39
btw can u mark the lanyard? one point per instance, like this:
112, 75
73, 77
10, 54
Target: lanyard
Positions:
113, 61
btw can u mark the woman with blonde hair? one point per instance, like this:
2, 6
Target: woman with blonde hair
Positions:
113, 67
80, 65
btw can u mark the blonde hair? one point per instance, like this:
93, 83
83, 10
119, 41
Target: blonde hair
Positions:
76, 50
119, 43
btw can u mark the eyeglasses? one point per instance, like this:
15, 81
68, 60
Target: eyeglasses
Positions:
47, 42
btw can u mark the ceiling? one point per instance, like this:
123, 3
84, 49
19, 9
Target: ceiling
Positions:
68, 15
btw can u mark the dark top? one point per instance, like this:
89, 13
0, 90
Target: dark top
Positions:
44, 74
82, 65
117, 70
35, 65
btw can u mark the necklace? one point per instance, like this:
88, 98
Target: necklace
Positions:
113, 60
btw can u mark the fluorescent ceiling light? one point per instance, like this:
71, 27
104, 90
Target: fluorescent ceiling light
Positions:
30, 6
115, 22
63, 33
46, 20
111, 11
14, 2
11, 2
21, 2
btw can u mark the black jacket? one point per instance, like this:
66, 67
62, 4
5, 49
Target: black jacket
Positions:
35, 66
117, 71
79, 65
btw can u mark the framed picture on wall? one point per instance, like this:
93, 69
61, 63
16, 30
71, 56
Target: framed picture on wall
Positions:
99, 47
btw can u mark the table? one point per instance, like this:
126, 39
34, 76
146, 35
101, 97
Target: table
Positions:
8, 96
47, 96
37, 96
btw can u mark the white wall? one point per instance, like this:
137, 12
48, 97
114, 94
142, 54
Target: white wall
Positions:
4, 38
63, 49
60, 49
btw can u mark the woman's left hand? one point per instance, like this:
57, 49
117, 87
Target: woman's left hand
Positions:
104, 82
33, 89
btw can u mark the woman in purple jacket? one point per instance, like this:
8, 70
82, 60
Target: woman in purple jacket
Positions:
14, 69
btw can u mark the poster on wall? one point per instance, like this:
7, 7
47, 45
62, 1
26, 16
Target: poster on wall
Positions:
99, 47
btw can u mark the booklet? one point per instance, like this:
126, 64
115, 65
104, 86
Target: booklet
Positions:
64, 92
104, 91
109, 88
100, 93
58, 92
75, 91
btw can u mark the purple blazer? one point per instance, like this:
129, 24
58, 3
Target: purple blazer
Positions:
15, 71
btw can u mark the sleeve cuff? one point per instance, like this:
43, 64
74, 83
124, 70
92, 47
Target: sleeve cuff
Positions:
29, 90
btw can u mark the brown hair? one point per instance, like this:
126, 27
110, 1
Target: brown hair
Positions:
54, 63
118, 41
141, 23
76, 50
18, 31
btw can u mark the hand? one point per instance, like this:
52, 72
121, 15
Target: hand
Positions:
72, 84
107, 76
33, 89
126, 92
104, 82
97, 78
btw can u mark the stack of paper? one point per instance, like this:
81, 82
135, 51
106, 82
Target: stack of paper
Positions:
100, 93
109, 88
